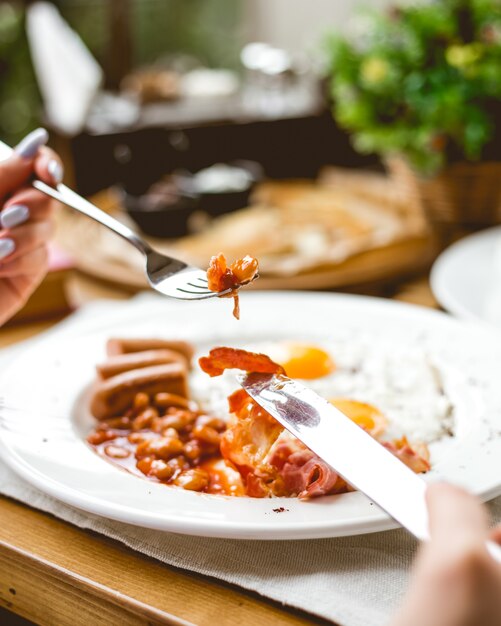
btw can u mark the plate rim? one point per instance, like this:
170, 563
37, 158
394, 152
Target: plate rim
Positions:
441, 292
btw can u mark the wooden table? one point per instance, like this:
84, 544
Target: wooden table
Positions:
56, 574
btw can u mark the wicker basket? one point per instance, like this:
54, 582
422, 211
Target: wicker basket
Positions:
463, 195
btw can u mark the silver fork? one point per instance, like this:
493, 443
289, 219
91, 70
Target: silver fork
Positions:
171, 277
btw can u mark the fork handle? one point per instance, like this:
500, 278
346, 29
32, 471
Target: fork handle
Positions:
73, 200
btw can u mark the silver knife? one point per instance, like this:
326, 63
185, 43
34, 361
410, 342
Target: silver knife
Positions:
348, 449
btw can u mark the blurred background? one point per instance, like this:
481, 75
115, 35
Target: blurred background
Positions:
342, 143
156, 84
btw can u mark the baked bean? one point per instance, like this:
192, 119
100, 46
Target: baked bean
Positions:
157, 424
206, 434
144, 419
160, 447
143, 449
116, 452
161, 424
178, 419
120, 423
155, 467
192, 450
165, 400
100, 436
161, 470
213, 422
139, 437
144, 465
192, 479
141, 401
179, 463
170, 432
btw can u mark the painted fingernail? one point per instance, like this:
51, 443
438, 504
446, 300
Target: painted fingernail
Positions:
29, 146
55, 169
14, 215
7, 246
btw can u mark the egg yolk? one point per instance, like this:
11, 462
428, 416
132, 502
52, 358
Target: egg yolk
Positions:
302, 360
365, 415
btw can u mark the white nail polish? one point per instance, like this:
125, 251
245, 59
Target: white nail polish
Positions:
14, 215
7, 246
29, 146
56, 171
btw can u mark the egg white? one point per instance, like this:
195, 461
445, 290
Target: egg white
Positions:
407, 387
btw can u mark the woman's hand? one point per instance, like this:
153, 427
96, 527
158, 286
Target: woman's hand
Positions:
25, 220
455, 582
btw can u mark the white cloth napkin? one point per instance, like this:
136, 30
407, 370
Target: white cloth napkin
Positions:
353, 581
68, 75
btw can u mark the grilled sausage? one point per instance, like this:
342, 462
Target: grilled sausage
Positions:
119, 363
127, 345
116, 394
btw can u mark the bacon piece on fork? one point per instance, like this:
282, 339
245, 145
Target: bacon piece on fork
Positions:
222, 277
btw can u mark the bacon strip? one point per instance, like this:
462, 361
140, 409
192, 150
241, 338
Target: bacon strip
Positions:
415, 458
221, 359
303, 473
308, 476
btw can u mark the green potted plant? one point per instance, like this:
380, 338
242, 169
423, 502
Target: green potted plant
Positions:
19, 98
421, 86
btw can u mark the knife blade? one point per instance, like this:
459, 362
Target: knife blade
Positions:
348, 449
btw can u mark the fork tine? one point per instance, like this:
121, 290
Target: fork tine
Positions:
184, 283
197, 293
190, 295
203, 294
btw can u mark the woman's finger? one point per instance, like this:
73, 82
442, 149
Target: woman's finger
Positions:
33, 263
18, 168
48, 167
15, 290
27, 283
22, 239
456, 517
27, 204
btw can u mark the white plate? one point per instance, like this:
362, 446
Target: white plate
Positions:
44, 441
466, 278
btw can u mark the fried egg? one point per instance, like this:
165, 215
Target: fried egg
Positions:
301, 360
378, 386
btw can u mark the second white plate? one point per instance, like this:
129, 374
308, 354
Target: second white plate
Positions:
466, 278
